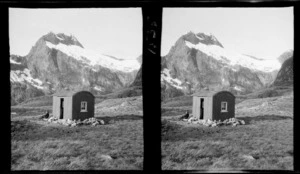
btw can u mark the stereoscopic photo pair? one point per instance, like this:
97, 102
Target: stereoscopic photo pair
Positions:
201, 89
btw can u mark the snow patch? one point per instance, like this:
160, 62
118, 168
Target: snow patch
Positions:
237, 88
199, 37
234, 58
165, 76
24, 76
98, 88
14, 62
92, 58
59, 38
207, 33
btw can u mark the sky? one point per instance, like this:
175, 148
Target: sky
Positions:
261, 32
116, 32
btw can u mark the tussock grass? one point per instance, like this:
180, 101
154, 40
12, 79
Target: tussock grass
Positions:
269, 142
38, 101
29, 111
37, 145
178, 101
264, 143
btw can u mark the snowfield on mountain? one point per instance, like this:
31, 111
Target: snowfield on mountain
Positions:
199, 61
233, 58
58, 61
93, 58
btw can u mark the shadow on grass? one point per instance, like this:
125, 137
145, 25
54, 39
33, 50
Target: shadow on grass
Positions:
248, 120
25, 130
108, 119
172, 131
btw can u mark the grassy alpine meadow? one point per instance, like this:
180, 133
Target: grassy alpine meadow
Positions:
40, 145
265, 142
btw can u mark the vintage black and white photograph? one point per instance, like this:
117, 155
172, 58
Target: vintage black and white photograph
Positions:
76, 91
227, 89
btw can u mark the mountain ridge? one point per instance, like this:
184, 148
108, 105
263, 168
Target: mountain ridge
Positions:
59, 61
192, 65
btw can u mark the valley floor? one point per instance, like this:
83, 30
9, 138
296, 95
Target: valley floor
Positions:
264, 143
40, 145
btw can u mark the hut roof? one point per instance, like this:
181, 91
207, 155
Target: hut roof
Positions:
209, 93
68, 93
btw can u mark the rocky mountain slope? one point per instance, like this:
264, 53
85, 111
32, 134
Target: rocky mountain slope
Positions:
199, 61
59, 61
23, 85
285, 75
286, 55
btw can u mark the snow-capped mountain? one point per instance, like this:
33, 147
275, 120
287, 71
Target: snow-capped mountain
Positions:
23, 85
59, 61
199, 61
92, 58
233, 58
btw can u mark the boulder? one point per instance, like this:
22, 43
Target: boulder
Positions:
106, 157
201, 122
242, 122
209, 121
69, 121
101, 122
248, 157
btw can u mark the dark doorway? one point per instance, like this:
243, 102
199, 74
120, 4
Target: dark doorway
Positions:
61, 116
201, 107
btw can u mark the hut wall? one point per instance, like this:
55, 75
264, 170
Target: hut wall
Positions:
195, 107
217, 99
76, 102
208, 108
55, 107
67, 107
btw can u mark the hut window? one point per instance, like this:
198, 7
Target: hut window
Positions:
83, 107
223, 106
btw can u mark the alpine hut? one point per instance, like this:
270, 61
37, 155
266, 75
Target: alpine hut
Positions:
213, 105
73, 105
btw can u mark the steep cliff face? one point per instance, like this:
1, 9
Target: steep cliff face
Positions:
62, 61
23, 85
138, 79
199, 61
285, 76
59, 61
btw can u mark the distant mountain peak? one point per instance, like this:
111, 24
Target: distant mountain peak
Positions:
201, 37
56, 38
286, 55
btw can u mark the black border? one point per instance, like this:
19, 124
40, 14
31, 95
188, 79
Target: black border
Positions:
152, 10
